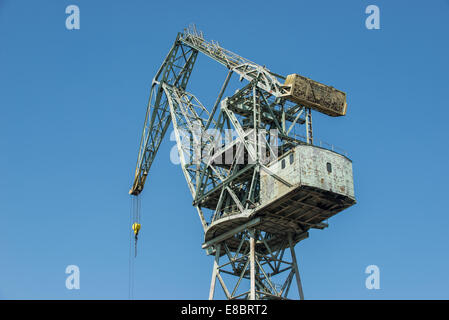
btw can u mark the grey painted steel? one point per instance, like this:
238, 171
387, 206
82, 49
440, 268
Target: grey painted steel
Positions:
295, 266
214, 272
258, 194
309, 169
252, 263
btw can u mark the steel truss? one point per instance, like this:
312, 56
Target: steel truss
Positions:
223, 177
227, 183
175, 70
267, 271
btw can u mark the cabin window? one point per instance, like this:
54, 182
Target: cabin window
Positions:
329, 167
292, 158
283, 164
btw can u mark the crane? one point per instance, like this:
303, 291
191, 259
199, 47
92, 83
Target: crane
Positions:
257, 185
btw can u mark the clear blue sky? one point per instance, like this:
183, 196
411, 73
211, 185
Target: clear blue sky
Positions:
72, 107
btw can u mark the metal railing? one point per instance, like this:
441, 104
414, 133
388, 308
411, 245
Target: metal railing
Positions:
196, 39
322, 144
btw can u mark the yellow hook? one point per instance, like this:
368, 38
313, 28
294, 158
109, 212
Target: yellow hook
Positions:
136, 228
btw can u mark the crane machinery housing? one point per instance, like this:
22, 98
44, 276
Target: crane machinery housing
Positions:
258, 193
